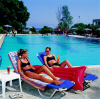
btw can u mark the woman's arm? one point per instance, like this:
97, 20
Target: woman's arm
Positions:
56, 59
19, 69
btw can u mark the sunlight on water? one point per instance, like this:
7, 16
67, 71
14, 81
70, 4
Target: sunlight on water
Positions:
78, 51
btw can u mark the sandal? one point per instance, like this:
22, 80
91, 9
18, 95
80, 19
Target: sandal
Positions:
13, 96
19, 95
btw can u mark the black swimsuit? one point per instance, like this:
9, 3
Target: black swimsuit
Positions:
52, 58
25, 64
55, 64
31, 70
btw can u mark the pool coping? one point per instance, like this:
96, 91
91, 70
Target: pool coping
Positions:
78, 36
1, 40
89, 67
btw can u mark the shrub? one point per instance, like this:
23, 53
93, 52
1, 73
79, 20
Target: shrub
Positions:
33, 29
45, 29
1, 29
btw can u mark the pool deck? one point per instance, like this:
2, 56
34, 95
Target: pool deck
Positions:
78, 36
30, 92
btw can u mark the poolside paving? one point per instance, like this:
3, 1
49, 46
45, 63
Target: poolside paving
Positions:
30, 92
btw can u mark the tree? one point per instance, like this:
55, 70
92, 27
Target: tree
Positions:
45, 29
66, 17
33, 29
81, 26
61, 27
14, 13
59, 14
1, 29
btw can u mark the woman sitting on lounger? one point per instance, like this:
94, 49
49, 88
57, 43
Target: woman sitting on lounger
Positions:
52, 61
30, 72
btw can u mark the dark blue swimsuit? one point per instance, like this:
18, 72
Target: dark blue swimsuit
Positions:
25, 64
52, 58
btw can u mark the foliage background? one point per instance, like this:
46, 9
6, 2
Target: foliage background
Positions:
14, 13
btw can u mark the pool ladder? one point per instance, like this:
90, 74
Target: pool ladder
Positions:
0, 60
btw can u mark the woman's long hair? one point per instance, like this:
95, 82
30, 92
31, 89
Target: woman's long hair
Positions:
20, 52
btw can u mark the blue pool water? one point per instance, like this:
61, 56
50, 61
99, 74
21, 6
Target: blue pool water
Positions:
79, 51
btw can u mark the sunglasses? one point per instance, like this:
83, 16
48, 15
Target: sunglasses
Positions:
46, 51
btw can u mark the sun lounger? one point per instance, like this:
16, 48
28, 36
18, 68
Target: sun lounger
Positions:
37, 83
88, 77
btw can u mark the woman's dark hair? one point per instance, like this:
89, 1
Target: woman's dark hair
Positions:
48, 48
20, 52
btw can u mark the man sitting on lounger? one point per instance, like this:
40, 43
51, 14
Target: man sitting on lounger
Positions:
30, 72
52, 61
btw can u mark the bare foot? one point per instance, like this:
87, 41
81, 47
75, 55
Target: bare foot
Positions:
58, 82
55, 79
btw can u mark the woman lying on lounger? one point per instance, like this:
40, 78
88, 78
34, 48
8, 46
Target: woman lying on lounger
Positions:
52, 61
30, 72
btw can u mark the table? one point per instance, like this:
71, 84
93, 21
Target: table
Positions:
4, 77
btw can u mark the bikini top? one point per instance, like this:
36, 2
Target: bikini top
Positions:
25, 64
50, 58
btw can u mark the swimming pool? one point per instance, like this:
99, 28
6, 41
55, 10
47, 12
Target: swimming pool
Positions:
79, 51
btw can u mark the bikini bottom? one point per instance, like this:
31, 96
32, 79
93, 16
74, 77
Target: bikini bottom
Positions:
55, 64
31, 70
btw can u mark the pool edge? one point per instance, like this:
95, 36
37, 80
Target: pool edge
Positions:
1, 40
89, 67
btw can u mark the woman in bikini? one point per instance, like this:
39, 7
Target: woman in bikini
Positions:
52, 61
30, 72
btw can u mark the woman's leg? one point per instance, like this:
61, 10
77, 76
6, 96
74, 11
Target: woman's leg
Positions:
42, 78
64, 63
46, 70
